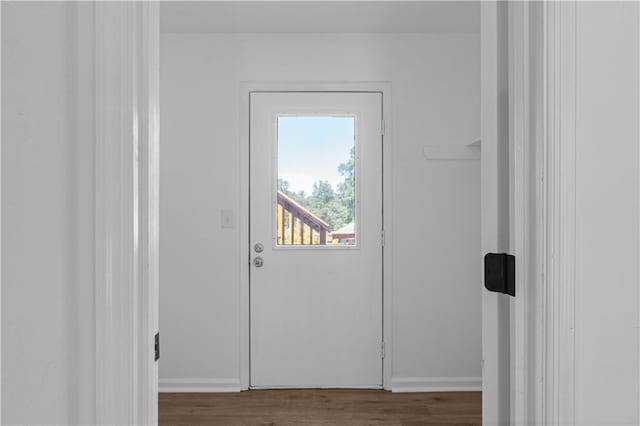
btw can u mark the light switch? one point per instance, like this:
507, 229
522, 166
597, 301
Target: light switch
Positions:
226, 218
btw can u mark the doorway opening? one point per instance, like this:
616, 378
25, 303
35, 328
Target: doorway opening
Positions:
434, 241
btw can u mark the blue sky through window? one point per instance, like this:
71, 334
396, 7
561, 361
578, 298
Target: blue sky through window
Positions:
310, 148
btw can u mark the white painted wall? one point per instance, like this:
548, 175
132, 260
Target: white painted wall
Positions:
47, 157
435, 100
607, 298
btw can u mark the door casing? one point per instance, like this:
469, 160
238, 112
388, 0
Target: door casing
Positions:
387, 221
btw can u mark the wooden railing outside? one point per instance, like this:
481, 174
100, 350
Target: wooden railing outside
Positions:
297, 225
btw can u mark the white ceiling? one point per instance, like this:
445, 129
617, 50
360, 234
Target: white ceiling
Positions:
320, 16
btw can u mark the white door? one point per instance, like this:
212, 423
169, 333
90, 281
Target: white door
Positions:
315, 239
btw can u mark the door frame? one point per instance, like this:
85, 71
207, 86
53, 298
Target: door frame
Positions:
494, 208
1, 215
384, 88
542, 144
541, 96
126, 106
514, 203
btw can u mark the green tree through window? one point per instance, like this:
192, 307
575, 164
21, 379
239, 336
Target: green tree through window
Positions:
335, 207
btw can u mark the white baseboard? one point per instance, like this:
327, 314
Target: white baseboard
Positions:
198, 385
436, 384
401, 384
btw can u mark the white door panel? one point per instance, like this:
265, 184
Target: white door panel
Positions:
316, 308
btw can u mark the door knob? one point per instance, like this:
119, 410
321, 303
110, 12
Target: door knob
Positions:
257, 262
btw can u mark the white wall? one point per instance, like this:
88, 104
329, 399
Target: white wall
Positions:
435, 100
607, 299
47, 280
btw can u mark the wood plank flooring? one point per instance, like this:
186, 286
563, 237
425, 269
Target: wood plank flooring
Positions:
305, 407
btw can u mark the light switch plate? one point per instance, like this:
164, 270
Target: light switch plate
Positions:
226, 218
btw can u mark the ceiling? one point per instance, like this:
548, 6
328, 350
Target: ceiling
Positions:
320, 16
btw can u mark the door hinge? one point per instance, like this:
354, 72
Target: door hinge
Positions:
382, 238
382, 350
157, 346
382, 128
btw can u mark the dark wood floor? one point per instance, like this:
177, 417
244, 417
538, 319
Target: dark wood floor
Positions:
321, 407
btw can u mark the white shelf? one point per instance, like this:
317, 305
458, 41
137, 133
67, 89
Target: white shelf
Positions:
453, 152
477, 143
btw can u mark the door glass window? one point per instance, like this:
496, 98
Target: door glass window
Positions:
316, 181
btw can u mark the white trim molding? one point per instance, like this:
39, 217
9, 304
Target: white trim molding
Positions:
149, 208
542, 141
126, 48
1, 220
558, 92
436, 384
496, 350
542, 150
523, 239
387, 187
199, 385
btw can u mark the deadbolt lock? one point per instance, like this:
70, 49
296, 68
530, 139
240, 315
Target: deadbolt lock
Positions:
259, 248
